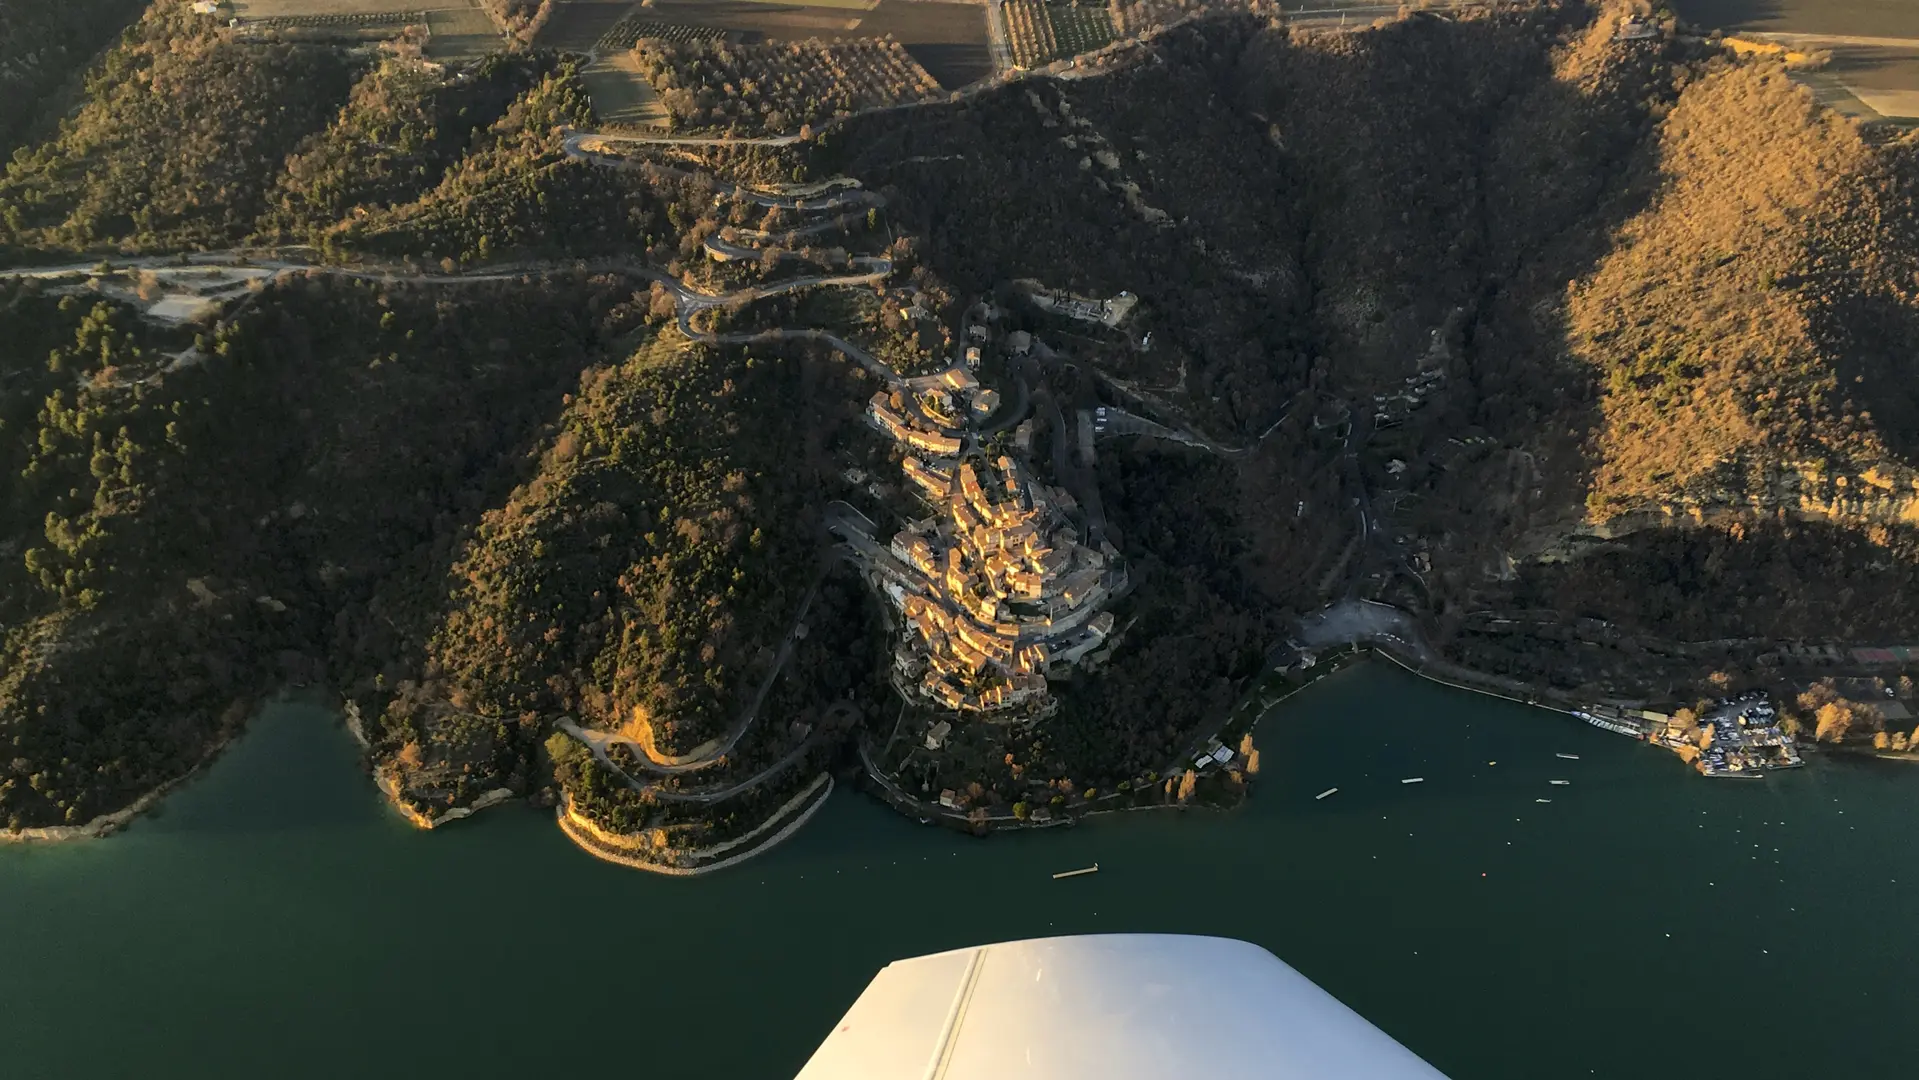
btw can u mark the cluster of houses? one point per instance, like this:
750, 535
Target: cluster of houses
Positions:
995, 587
1105, 312
1002, 591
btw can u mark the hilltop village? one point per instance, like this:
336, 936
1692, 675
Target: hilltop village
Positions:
999, 584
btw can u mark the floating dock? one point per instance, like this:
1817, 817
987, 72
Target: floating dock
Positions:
1325, 793
1414, 780
1093, 869
1616, 725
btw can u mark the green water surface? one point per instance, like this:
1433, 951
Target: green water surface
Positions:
274, 919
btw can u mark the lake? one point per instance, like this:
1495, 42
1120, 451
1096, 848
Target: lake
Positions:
276, 919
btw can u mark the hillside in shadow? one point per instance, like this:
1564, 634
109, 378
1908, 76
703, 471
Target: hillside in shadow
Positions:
1537, 285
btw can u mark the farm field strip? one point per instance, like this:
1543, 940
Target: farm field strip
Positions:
1029, 32
628, 31
353, 20
1041, 33
844, 5
256, 11
1079, 29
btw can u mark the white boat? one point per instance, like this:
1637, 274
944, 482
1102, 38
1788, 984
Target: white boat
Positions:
1414, 780
1542, 800
1325, 793
1560, 783
1568, 757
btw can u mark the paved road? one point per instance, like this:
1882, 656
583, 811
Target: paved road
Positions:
703, 796
829, 194
600, 740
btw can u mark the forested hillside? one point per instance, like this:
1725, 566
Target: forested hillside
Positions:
189, 139
400, 130
1766, 282
1557, 280
191, 529
44, 47
178, 144
516, 192
645, 578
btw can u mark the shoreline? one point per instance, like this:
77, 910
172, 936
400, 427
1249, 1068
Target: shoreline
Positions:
106, 825
1535, 703
587, 836
384, 780
1238, 717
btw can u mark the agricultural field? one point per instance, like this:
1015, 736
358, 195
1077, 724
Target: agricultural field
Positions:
357, 20
947, 39
621, 96
1874, 45
460, 31
250, 11
1138, 16
778, 86
1042, 33
1079, 29
629, 31
1029, 32
577, 25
